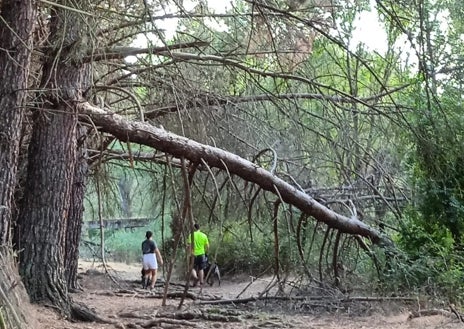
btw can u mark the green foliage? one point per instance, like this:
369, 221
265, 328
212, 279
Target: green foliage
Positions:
426, 260
237, 253
430, 238
438, 276
126, 191
439, 174
122, 245
419, 237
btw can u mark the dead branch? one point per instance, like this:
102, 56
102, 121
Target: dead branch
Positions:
187, 214
121, 52
219, 315
188, 318
307, 298
175, 294
455, 312
160, 111
158, 321
430, 312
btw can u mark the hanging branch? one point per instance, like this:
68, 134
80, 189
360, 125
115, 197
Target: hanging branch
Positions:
100, 218
102, 232
256, 194
163, 223
276, 239
250, 213
303, 220
335, 258
321, 254
187, 213
177, 234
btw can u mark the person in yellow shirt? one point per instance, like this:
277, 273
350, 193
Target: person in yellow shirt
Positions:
197, 246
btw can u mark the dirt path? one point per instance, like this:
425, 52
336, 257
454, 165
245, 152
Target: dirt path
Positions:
126, 305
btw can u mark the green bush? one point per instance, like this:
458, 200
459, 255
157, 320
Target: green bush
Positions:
419, 238
237, 253
120, 245
426, 261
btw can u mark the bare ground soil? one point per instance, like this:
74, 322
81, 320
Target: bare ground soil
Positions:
121, 302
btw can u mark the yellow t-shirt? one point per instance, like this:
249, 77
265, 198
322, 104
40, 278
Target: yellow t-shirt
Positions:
200, 243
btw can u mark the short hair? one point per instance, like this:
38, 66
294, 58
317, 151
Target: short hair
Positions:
149, 234
196, 226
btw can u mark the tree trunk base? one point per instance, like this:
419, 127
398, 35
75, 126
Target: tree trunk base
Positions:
13, 297
82, 313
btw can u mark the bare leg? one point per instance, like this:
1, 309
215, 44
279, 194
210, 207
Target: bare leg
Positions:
153, 278
194, 277
146, 277
201, 275
194, 274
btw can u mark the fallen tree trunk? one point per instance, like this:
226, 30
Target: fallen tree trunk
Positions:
162, 140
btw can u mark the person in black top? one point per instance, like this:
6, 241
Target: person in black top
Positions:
151, 259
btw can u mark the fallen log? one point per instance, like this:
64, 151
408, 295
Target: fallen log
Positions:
146, 134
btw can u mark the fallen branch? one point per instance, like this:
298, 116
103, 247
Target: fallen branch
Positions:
146, 134
158, 321
430, 312
455, 312
216, 315
307, 298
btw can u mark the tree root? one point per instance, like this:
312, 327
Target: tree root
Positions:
80, 312
175, 323
305, 298
190, 318
217, 315
138, 293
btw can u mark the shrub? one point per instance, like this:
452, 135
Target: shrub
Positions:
426, 260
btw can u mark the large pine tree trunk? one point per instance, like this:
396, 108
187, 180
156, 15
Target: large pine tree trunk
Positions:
76, 210
46, 200
15, 53
52, 158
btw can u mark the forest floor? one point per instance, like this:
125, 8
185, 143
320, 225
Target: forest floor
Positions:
121, 303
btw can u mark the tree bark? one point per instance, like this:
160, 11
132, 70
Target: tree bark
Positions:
75, 214
160, 139
46, 201
15, 55
52, 159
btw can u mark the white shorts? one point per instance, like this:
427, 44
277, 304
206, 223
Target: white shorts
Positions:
149, 262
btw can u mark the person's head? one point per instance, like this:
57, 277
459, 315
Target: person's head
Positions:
149, 234
196, 226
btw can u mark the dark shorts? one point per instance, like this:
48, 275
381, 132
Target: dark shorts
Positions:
199, 262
